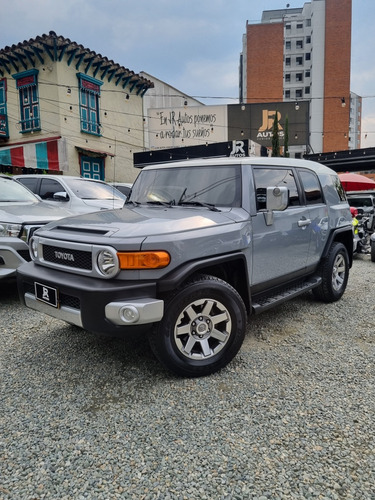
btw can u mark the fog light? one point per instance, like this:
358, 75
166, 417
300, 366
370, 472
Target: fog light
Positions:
129, 314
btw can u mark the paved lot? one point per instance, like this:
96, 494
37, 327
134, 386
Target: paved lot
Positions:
291, 417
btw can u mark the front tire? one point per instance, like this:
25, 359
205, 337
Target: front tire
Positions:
334, 271
203, 327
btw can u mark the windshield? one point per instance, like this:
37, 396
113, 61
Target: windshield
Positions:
91, 190
12, 191
209, 185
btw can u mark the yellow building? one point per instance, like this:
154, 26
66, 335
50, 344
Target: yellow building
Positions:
65, 109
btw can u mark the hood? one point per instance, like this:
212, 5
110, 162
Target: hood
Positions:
145, 221
29, 212
104, 204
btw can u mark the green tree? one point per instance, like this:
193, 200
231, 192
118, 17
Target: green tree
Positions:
275, 136
286, 137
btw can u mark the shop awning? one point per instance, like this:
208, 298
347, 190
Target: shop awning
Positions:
45, 155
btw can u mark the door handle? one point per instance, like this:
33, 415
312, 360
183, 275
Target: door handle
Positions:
303, 223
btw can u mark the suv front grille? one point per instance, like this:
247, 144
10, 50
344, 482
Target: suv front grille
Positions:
70, 258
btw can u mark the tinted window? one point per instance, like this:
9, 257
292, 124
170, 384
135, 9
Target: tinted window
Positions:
339, 188
311, 187
266, 177
49, 187
32, 184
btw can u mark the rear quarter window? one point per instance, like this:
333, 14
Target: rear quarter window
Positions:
339, 188
311, 187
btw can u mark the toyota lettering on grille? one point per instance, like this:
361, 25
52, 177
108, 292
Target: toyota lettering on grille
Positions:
64, 256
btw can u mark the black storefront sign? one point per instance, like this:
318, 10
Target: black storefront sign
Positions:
255, 121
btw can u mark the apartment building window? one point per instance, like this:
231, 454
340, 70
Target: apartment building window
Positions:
89, 93
299, 26
288, 44
308, 39
307, 90
307, 74
308, 56
299, 61
27, 86
287, 77
287, 94
299, 77
299, 44
4, 133
298, 92
308, 22
287, 61
288, 27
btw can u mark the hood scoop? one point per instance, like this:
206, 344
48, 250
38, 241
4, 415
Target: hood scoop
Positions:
83, 230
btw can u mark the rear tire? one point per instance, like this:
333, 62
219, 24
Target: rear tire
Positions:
334, 271
203, 327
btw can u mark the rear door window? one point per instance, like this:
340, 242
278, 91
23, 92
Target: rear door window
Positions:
30, 183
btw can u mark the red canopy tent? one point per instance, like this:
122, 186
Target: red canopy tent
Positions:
356, 182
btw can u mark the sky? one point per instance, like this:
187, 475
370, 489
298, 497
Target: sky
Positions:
192, 45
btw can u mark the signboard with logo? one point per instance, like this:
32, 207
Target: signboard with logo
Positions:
187, 126
232, 149
255, 121
202, 125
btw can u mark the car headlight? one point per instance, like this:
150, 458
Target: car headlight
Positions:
33, 248
8, 229
107, 262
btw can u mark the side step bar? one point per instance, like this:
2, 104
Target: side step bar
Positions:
262, 302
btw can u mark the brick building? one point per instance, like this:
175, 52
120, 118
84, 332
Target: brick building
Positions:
303, 54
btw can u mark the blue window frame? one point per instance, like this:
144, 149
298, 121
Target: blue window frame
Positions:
27, 85
4, 132
89, 93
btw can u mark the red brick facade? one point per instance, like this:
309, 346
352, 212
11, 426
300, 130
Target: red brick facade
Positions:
337, 74
265, 78
265, 46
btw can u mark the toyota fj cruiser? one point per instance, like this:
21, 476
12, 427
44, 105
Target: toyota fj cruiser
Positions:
199, 246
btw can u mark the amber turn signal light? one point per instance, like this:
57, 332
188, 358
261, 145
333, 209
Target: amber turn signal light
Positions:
143, 260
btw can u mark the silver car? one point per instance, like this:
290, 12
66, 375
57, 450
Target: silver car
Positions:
81, 195
21, 213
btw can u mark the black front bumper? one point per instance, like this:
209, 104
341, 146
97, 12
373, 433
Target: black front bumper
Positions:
82, 300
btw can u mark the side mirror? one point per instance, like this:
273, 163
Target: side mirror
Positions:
61, 196
277, 200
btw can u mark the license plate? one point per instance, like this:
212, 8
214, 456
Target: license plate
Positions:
46, 294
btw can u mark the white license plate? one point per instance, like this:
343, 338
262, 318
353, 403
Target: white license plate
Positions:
46, 294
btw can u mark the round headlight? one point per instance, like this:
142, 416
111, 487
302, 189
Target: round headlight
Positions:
107, 262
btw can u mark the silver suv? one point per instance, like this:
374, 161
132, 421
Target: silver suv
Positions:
199, 247
21, 213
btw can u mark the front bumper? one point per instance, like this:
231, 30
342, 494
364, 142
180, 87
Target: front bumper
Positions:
13, 253
100, 306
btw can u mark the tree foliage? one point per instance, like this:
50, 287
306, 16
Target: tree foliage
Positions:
275, 136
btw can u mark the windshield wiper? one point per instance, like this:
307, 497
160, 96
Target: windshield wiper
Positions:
210, 206
132, 202
163, 203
